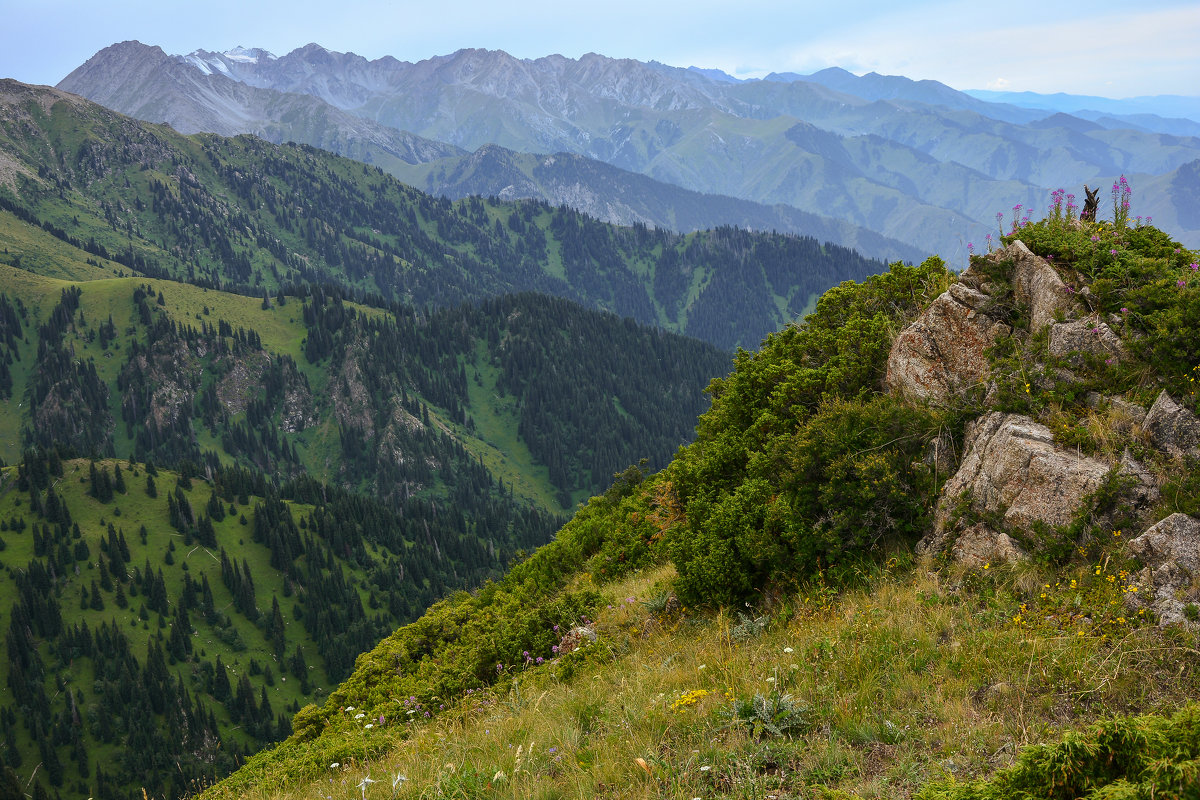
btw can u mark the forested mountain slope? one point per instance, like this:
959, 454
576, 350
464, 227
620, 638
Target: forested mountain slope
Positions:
339, 460
250, 216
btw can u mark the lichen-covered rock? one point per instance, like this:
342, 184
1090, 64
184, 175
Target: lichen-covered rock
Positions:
1013, 469
1069, 340
979, 545
1037, 285
1172, 428
1175, 539
1142, 492
1170, 555
941, 354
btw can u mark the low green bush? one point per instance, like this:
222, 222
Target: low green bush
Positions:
1116, 759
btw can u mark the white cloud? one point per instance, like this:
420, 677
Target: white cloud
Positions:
1121, 52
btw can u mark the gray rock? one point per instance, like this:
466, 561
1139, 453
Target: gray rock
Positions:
940, 355
1131, 412
1037, 285
1013, 468
1143, 491
1172, 428
577, 637
979, 545
1170, 554
941, 454
1069, 340
1175, 539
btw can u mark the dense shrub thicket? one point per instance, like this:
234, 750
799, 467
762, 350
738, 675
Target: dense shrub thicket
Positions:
801, 461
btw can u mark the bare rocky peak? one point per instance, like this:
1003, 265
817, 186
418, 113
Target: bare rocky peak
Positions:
348, 80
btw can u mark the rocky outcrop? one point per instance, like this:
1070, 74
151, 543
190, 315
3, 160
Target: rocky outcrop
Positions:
1071, 340
1036, 285
1170, 555
1172, 427
1013, 469
941, 354
1142, 488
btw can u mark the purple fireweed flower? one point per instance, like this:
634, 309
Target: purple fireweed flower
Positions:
1113, 252
1181, 282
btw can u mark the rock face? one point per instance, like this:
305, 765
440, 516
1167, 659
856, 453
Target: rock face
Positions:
1172, 428
1013, 468
941, 354
1036, 284
1069, 339
1170, 554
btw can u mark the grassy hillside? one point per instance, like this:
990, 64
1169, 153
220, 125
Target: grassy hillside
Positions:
751, 621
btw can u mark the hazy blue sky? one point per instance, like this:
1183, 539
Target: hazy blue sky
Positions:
1102, 47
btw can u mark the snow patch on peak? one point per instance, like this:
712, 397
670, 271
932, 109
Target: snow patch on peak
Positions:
248, 55
199, 63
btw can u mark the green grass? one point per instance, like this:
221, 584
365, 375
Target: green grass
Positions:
36, 251
495, 438
912, 676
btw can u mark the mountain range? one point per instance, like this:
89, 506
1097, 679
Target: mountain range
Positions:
265, 403
211, 502
913, 161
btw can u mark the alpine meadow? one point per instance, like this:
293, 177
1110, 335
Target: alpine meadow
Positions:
489, 428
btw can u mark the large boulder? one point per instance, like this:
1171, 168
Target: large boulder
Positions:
941, 354
1170, 555
1012, 469
1172, 428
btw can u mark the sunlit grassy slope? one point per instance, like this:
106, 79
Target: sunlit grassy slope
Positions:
909, 675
